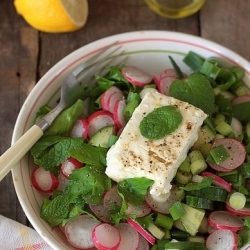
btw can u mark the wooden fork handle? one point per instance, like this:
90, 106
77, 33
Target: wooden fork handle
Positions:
15, 153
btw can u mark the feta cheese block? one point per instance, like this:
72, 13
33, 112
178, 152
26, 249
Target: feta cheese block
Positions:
136, 156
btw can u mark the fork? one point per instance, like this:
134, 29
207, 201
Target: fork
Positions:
73, 88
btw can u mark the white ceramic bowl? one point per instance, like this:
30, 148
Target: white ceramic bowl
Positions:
146, 49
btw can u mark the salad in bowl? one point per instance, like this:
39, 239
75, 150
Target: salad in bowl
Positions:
156, 157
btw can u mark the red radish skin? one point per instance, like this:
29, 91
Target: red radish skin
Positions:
144, 233
222, 239
78, 231
98, 120
225, 220
241, 99
43, 180
112, 101
119, 119
129, 237
106, 237
69, 165
218, 181
106, 95
136, 76
236, 151
240, 212
80, 129
143, 244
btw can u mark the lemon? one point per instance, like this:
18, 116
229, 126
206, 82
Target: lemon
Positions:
53, 15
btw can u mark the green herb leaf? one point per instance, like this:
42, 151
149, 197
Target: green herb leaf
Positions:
160, 122
206, 182
196, 90
88, 182
90, 155
63, 123
176, 67
50, 151
134, 189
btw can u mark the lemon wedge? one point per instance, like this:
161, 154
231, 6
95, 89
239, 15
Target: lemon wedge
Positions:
53, 16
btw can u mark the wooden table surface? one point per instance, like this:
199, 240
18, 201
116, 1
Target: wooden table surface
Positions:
26, 54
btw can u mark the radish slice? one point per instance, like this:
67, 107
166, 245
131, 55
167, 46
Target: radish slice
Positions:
106, 95
240, 212
101, 212
43, 180
98, 120
218, 181
144, 233
143, 244
222, 239
112, 198
119, 119
236, 151
241, 99
112, 101
140, 211
79, 231
162, 207
80, 129
129, 237
106, 237
164, 84
69, 165
225, 220
136, 75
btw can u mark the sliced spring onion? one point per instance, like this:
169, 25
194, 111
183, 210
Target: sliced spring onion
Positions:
177, 210
156, 231
237, 200
164, 221
187, 245
176, 67
245, 170
210, 69
185, 165
179, 234
193, 60
219, 154
198, 166
224, 128
183, 177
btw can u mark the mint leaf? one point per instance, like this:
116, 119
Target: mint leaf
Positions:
90, 155
196, 90
50, 151
56, 210
134, 189
206, 182
89, 183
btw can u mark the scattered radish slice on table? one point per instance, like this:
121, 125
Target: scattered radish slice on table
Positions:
98, 120
80, 129
129, 237
218, 181
222, 239
225, 220
143, 232
237, 153
79, 231
136, 75
106, 237
43, 180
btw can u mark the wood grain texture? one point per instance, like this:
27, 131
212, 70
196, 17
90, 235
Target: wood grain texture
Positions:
26, 54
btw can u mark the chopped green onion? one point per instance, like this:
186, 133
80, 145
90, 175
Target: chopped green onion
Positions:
185, 165
193, 60
176, 68
187, 245
210, 70
238, 72
183, 177
198, 202
156, 231
219, 154
164, 221
177, 210
237, 200
224, 128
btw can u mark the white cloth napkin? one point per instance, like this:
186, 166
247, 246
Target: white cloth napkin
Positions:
15, 236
